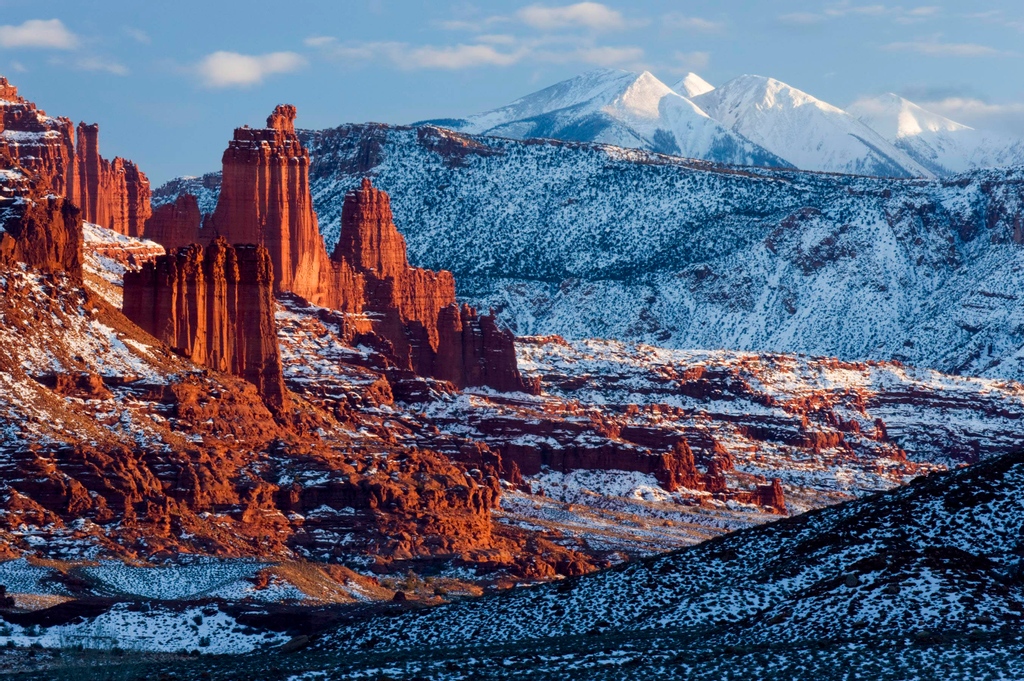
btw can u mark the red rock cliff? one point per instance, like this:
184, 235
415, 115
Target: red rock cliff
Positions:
41, 145
113, 194
175, 225
415, 309
265, 199
39, 229
214, 305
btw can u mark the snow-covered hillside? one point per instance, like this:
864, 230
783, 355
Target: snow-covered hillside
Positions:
809, 133
600, 242
919, 583
939, 144
624, 109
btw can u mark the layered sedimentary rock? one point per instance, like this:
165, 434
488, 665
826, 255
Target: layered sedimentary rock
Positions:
113, 194
215, 306
414, 309
410, 312
44, 232
174, 225
265, 199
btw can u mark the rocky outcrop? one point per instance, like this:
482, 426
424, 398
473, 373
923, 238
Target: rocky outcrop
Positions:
772, 496
175, 225
113, 194
42, 145
414, 309
37, 228
215, 306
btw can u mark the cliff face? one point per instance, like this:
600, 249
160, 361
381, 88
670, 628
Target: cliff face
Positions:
265, 199
175, 225
113, 194
415, 309
41, 144
44, 232
215, 306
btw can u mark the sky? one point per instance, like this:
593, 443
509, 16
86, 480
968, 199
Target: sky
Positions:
168, 81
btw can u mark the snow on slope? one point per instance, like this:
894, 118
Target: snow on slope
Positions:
937, 143
692, 85
600, 242
621, 108
929, 567
807, 132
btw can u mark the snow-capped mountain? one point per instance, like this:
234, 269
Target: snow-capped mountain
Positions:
751, 120
692, 85
936, 142
621, 108
809, 133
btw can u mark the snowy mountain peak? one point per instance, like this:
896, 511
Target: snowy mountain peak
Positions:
692, 85
619, 108
936, 142
806, 131
768, 93
894, 117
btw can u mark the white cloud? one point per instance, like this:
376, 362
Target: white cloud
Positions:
101, 64
138, 35
690, 61
50, 33
319, 41
231, 69
608, 56
474, 26
695, 24
936, 48
591, 15
969, 108
456, 57
487, 50
900, 15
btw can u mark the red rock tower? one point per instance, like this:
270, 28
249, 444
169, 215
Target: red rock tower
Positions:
214, 306
265, 199
415, 309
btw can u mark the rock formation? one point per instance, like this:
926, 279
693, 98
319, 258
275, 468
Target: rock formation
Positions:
415, 309
175, 225
215, 306
265, 199
42, 232
113, 194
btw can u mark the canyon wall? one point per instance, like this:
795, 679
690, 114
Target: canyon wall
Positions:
113, 194
44, 232
215, 306
175, 225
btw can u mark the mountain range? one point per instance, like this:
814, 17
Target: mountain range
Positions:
593, 241
750, 120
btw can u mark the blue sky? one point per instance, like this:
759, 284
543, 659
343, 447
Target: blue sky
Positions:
169, 81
